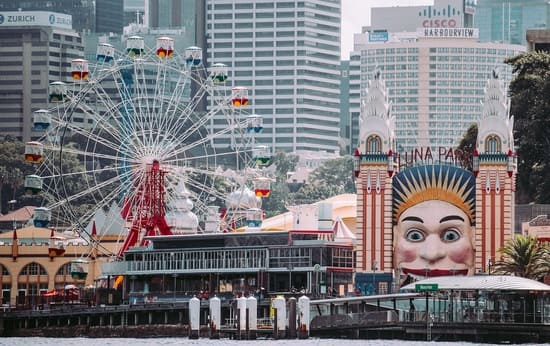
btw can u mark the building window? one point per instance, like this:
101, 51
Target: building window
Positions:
374, 144
33, 269
492, 144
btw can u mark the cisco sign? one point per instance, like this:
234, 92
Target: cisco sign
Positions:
439, 23
36, 18
444, 14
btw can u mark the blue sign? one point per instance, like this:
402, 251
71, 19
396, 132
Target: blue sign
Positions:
378, 36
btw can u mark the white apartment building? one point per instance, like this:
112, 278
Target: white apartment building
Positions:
287, 53
435, 75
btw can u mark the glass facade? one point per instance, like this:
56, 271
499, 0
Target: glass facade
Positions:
508, 21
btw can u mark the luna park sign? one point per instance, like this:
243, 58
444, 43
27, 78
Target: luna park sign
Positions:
427, 155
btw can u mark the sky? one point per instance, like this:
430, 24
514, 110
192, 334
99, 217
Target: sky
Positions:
356, 14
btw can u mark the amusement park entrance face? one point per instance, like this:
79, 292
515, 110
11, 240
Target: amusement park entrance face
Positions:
434, 238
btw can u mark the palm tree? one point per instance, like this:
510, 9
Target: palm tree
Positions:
524, 256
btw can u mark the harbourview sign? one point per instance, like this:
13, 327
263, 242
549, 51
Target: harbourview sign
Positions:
448, 32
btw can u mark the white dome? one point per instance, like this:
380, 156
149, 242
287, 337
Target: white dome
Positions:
181, 204
182, 222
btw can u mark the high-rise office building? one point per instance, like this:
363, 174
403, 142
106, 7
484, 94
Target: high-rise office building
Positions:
102, 16
287, 53
37, 49
436, 75
134, 11
508, 21
171, 13
345, 118
435, 86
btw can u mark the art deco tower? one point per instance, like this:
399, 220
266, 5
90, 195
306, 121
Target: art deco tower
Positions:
374, 168
495, 168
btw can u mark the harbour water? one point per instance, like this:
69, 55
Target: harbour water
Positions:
221, 342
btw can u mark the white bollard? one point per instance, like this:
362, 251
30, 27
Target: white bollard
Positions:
241, 306
252, 307
304, 317
279, 305
215, 317
194, 317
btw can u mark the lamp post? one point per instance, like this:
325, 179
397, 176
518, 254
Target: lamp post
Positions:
290, 267
175, 276
11, 203
489, 263
374, 268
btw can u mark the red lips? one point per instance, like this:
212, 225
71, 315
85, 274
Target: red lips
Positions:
435, 272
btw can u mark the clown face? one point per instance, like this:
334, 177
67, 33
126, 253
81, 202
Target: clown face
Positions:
433, 238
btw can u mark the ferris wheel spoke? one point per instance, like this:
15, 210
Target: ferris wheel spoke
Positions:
178, 121
89, 191
202, 141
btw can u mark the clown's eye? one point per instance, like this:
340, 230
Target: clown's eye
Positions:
414, 235
450, 236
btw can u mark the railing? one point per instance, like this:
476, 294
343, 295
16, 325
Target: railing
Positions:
192, 262
261, 323
265, 323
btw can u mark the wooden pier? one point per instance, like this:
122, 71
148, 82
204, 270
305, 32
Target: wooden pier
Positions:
369, 317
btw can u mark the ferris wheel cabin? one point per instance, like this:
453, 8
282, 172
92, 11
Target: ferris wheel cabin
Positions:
57, 91
135, 46
105, 52
33, 184
262, 187
239, 96
165, 47
42, 217
193, 56
56, 246
79, 69
254, 217
79, 269
261, 155
34, 152
219, 72
41, 119
254, 124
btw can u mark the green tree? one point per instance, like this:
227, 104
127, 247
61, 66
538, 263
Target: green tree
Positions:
284, 163
468, 145
333, 178
13, 169
336, 172
524, 256
276, 202
530, 106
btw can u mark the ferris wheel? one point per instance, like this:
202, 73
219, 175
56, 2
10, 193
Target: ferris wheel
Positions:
151, 134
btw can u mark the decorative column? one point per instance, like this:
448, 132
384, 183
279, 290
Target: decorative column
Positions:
495, 170
374, 168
